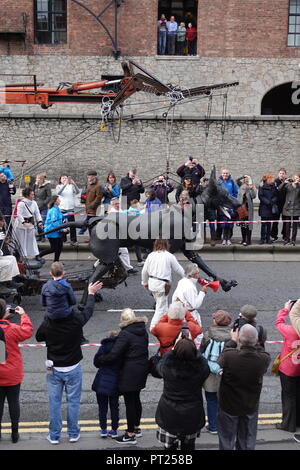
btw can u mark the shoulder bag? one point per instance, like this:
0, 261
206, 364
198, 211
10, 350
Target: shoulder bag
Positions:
277, 361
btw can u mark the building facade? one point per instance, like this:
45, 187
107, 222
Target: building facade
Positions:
256, 43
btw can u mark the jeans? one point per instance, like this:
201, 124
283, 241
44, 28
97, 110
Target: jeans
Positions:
71, 382
162, 42
212, 409
237, 432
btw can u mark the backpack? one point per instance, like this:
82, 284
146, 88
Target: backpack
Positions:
212, 353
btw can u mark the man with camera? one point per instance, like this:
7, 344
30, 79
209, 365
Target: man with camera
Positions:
131, 186
291, 209
248, 314
243, 366
162, 189
193, 169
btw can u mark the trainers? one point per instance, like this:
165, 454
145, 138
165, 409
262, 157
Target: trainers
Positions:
132, 271
103, 433
229, 242
224, 242
126, 439
210, 431
297, 437
52, 441
112, 433
138, 432
74, 439
141, 263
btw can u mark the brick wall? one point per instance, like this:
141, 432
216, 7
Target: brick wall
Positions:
235, 28
227, 28
136, 23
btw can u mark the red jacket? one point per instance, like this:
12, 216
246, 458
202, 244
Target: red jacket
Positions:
191, 34
291, 365
166, 330
11, 371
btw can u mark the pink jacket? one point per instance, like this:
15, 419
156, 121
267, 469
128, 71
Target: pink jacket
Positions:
291, 365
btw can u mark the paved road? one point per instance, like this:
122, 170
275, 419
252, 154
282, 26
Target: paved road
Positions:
266, 285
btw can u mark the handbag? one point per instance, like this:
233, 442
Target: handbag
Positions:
153, 363
154, 360
277, 361
242, 212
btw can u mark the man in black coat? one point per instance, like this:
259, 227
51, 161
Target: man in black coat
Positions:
132, 187
280, 203
242, 377
193, 169
7, 188
63, 338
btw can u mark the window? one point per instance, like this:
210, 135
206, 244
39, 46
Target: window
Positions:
294, 23
50, 21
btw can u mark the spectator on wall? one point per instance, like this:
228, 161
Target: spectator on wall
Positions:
172, 30
162, 34
191, 37
180, 38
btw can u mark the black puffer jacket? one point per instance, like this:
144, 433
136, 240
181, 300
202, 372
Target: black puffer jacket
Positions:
268, 196
180, 408
132, 346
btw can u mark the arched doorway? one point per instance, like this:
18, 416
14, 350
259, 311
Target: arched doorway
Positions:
283, 99
184, 11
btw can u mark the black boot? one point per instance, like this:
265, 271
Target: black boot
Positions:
15, 434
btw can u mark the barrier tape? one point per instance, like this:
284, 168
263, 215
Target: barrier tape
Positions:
205, 222
43, 345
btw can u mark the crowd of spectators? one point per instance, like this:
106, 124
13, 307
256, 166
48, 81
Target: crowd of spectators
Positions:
174, 38
226, 362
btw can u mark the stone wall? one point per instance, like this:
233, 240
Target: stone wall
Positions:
256, 77
249, 145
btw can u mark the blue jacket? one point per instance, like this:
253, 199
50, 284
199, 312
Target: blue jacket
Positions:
106, 379
152, 205
7, 172
53, 219
230, 185
58, 298
108, 195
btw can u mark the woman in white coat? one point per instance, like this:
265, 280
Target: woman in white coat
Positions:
28, 217
67, 191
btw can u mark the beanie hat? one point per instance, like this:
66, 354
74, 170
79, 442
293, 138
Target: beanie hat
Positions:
92, 173
222, 318
249, 312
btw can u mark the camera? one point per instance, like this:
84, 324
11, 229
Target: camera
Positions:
290, 180
191, 159
236, 324
11, 309
184, 330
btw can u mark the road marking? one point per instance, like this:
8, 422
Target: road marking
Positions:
93, 425
134, 309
